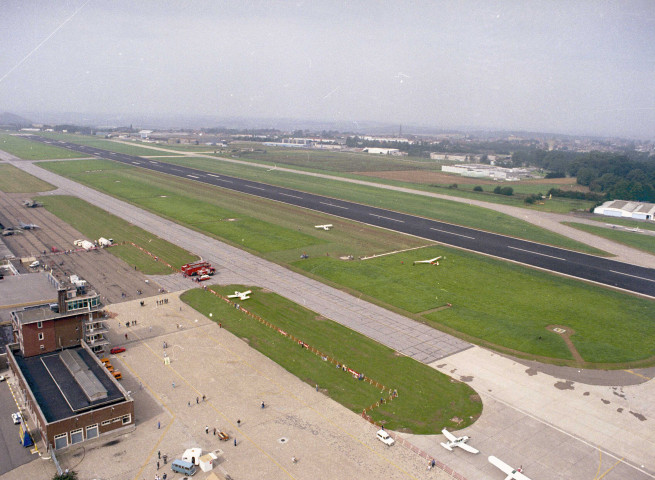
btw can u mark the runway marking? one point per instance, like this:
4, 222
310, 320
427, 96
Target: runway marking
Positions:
452, 233
212, 175
387, 218
136, 163
610, 469
638, 374
154, 162
292, 196
256, 188
633, 276
537, 253
192, 176
333, 205
226, 181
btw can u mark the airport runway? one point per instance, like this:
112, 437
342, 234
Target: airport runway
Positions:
600, 270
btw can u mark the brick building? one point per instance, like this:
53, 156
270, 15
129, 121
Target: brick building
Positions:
68, 392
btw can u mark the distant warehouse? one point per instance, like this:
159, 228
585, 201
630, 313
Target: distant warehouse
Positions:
627, 209
489, 171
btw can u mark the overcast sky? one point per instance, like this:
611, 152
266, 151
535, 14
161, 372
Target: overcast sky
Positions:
553, 66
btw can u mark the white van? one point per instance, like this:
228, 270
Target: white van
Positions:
35, 264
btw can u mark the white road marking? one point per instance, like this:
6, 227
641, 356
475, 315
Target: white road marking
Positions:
633, 276
333, 205
192, 176
256, 188
292, 196
452, 233
223, 180
212, 175
537, 253
387, 218
136, 163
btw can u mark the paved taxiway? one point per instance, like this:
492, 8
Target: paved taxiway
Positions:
588, 267
510, 405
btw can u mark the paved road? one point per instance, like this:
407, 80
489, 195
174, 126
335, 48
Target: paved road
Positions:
620, 275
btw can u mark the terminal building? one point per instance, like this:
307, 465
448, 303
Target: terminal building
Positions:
69, 393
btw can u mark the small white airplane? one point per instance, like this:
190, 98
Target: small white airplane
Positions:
241, 295
432, 261
512, 473
460, 442
324, 227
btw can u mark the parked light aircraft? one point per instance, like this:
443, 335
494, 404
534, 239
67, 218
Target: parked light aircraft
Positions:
241, 295
432, 261
460, 442
27, 226
512, 473
32, 204
324, 227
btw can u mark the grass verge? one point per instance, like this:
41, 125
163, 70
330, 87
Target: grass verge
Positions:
427, 399
14, 180
636, 240
498, 303
28, 150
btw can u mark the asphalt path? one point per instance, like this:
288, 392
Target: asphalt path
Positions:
600, 270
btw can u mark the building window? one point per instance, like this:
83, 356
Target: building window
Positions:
39, 324
41, 336
61, 441
127, 419
105, 422
77, 436
92, 431
42, 347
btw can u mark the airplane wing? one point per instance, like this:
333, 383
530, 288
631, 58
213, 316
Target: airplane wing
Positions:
446, 446
512, 473
467, 447
448, 435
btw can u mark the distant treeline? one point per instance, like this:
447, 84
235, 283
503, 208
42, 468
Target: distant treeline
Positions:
623, 176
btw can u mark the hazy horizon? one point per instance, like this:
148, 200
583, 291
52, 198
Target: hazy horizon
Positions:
584, 68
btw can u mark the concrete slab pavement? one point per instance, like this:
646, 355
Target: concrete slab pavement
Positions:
564, 426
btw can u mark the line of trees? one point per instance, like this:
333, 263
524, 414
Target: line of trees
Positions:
625, 176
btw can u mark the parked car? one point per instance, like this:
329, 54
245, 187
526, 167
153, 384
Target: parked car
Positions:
385, 438
17, 418
116, 350
2, 378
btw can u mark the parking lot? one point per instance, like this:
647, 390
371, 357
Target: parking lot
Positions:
12, 453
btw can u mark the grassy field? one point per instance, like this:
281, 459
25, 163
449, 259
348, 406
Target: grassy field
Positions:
14, 180
442, 210
94, 222
427, 400
509, 318
28, 150
99, 142
501, 304
631, 239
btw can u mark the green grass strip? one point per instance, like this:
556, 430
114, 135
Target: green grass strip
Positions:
636, 240
28, 150
501, 304
14, 180
427, 399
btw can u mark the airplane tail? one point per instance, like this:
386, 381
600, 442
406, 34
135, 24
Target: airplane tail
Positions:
447, 447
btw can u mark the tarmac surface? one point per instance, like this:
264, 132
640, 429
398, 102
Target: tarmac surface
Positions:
328, 440
546, 423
